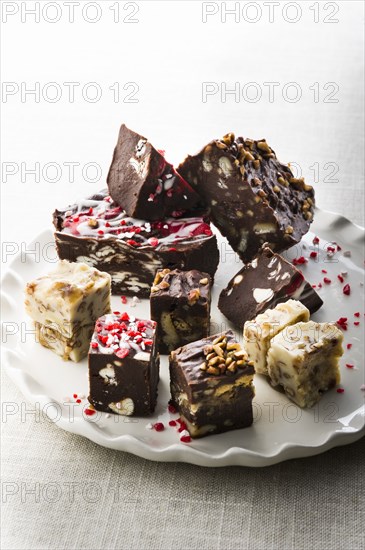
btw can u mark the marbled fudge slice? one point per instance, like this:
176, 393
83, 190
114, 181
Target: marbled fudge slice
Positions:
124, 365
258, 333
263, 283
254, 198
211, 385
144, 183
65, 305
180, 304
99, 232
304, 360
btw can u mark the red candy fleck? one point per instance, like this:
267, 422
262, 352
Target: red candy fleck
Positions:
76, 218
300, 261
153, 241
89, 412
357, 314
338, 247
340, 390
131, 242
75, 395
342, 323
148, 342
315, 240
94, 345
313, 254
314, 286
172, 423
327, 280
90, 211
185, 438
100, 232
324, 271
107, 224
356, 323
183, 426
159, 427
346, 290
349, 366
349, 346
340, 278
172, 249
123, 299
171, 408
78, 400
121, 353
331, 249
124, 317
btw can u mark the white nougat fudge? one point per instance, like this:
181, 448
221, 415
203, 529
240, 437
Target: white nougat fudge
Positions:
258, 333
304, 360
64, 306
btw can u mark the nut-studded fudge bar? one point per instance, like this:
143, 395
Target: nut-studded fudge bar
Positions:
211, 385
303, 359
65, 305
254, 198
99, 232
124, 365
265, 282
180, 304
144, 183
258, 333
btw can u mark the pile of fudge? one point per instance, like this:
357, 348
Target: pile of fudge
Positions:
149, 235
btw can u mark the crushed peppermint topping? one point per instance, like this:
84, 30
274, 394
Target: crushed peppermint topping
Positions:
346, 290
327, 280
300, 261
342, 323
158, 427
315, 240
340, 390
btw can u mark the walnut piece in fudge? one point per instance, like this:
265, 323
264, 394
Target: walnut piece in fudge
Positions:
65, 305
211, 385
304, 358
258, 333
143, 182
180, 304
254, 199
124, 365
265, 282
99, 232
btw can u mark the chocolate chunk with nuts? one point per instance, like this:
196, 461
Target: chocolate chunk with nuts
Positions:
263, 283
253, 197
211, 385
180, 304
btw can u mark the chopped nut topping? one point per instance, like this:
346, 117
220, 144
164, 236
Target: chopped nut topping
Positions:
228, 138
256, 181
92, 222
289, 230
221, 145
164, 284
204, 281
276, 189
249, 156
263, 146
193, 296
154, 288
222, 357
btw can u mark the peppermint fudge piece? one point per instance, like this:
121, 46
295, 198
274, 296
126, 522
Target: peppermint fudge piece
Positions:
265, 282
124, 365
254, 198
304, 360
258, 333
144, 183
211, 385
65, 305
180, 304
99, 232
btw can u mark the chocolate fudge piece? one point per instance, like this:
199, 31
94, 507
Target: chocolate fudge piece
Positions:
258, 333
254, 198
211, 385
124, 365
99, 232
265, 282
180, 304
144, 183
303, 360
65, 305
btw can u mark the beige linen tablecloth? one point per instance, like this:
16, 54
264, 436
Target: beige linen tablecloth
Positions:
177, 60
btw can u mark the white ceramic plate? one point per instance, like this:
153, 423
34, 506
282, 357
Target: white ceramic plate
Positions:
280, 431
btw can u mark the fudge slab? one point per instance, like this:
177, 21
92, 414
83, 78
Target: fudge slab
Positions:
65, 303
304, 360
211, 385
263, 283
99, 232
144, 183
180, 304
258, 333
254, 198
124, 365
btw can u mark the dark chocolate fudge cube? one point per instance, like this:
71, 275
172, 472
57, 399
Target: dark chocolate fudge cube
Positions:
254, 198
144, 183
263, 283
124, 365
211, 385
180, 304
100, 233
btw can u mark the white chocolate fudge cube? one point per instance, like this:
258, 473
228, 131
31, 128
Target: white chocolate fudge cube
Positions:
304, 360
73, 294
258, 333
